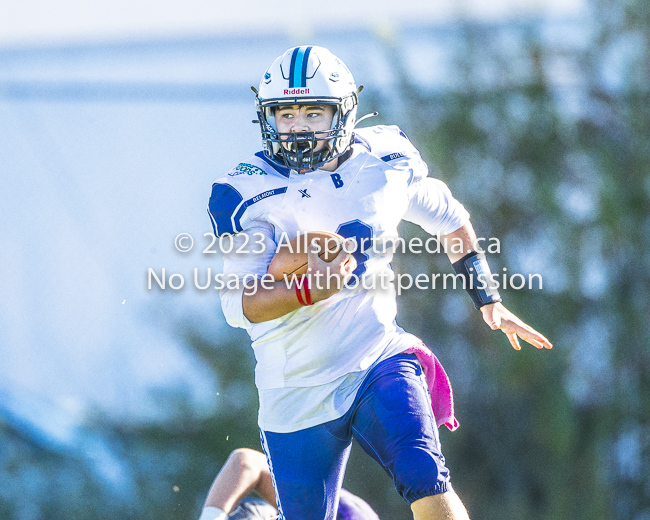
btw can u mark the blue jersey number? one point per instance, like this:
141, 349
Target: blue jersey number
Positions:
362, 232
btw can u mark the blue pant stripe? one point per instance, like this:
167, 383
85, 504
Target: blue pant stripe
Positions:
275, 486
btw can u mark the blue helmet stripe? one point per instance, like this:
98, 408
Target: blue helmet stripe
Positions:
292, 68
298, 70
305, 60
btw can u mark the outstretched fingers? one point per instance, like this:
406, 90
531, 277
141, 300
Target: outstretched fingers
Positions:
498, 317
514, 341
517, 328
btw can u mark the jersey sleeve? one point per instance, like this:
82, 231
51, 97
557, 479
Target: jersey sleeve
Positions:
238, 201
226, 209
430, 203
433, 207
252, 252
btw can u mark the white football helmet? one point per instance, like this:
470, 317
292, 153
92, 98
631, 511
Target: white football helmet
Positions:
307, 75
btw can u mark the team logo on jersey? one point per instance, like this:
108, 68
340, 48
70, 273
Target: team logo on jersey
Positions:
248, 169
305, 194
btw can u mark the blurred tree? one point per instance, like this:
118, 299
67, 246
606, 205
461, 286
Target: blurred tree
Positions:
549, 152
544, 139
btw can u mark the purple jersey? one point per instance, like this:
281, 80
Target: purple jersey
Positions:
351, 507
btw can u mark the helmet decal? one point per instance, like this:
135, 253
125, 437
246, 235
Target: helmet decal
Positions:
298, 74
299, 66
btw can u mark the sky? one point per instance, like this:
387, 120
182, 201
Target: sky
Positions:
43, 22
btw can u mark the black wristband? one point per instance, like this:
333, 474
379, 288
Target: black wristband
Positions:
477, 279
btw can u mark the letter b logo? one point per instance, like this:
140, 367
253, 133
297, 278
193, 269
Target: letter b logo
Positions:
336, 179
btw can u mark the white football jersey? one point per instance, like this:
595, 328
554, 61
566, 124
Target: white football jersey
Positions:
310, 362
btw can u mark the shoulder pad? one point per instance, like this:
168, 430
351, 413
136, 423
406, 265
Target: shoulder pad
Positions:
358, 139
227, 206
251, 184
388, 143
268, 163
391, 146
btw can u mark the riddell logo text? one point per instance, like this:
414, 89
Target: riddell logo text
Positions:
296, 91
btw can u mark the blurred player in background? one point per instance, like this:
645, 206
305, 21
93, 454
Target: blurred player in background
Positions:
245, 471
332, 363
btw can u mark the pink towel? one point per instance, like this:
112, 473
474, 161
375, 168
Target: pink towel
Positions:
442, 398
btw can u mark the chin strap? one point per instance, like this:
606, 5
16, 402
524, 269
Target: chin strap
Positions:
299, 156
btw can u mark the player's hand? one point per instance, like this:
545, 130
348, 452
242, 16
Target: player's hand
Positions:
498, 317
328, 278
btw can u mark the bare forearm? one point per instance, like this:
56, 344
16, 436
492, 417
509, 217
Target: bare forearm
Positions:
459, 243
323, 280
244, 471
229, 488
269, 304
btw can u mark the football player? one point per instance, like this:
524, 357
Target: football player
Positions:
245, 471
331, 362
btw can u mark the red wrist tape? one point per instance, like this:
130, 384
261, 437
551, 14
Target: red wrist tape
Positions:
299, 295
303, 283
307, 293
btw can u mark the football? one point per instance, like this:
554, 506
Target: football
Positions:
291, 257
